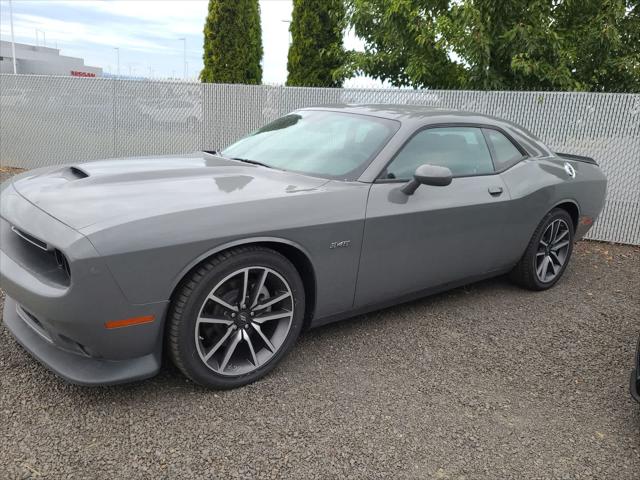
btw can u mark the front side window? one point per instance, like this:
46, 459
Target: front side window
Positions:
461, 149
322, 143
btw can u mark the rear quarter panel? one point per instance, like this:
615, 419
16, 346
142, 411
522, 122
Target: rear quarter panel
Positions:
538, 185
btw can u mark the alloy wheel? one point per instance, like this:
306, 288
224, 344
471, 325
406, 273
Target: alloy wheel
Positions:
553, 249
244, 321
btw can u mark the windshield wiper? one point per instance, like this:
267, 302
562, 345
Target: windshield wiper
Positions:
252, 162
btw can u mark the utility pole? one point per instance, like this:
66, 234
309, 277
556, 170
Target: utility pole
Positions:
44, 37
13, 40
117, 49
184, 58
288, 30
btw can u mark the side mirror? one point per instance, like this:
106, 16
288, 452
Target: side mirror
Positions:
428, 175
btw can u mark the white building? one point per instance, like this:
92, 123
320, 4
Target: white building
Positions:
31, 59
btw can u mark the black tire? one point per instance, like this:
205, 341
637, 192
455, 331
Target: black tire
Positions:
524, 273
193, 292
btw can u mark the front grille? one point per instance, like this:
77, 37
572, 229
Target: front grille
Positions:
35, 254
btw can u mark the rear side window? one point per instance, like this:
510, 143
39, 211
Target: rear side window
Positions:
505, 152
461, 149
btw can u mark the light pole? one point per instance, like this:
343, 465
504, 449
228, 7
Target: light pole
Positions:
184, 58
288, 29
13, 41
44, 37
117, 49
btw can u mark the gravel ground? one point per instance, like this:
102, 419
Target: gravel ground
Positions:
487, 381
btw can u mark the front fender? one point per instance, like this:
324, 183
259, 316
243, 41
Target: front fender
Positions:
235, 243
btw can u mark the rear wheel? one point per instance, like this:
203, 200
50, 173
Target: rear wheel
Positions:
547, 254
235, 317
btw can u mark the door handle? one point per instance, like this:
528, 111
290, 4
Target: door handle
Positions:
495, 191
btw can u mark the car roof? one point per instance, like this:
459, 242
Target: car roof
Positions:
417, 114
412, 117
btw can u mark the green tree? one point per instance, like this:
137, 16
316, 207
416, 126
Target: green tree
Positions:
509, 45
591, 45
603, 38
232, 42
403, 43
316, 52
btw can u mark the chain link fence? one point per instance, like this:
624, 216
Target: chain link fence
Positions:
57, 120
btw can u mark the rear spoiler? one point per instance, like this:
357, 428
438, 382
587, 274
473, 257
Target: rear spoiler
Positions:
578, 158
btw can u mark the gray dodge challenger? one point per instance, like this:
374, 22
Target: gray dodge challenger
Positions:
221, 259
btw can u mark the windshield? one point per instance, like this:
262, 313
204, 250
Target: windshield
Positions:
314, 142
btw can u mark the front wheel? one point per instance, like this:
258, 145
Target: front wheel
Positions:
548, 252
235, 317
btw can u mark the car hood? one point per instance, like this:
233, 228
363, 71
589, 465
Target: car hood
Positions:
121, 190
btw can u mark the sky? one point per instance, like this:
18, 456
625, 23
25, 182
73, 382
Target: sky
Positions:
147, 34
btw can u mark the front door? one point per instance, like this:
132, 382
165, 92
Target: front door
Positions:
438, 235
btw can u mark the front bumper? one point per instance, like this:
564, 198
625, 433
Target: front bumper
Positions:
75, 367
63, 324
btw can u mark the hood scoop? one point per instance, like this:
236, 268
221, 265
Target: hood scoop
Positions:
75, 173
